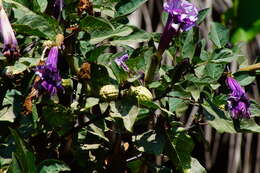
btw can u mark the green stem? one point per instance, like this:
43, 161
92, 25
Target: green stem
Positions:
153, 67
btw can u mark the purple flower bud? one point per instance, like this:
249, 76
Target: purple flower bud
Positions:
57, 8
182, 17
10, 48
238, 102
50, 79
120, 61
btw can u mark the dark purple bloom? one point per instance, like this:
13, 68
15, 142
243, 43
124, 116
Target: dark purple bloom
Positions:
238, 102
10, 48
182, 17
120, 61
57, 8
50, 79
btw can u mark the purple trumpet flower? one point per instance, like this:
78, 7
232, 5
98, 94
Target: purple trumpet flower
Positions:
10, 48
50, 79
57, 8
182, 17
120, 61
238, 102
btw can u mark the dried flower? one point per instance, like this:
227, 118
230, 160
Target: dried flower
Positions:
50, 79
10, 49
238, 102
182, 17
120, 61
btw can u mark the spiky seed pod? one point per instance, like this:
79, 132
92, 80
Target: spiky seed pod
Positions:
141, 93
109, 92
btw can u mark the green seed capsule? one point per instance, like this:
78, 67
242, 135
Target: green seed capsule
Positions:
109, 92
142, 94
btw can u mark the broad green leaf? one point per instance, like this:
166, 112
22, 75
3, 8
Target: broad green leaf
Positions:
255, 109
128, 6
196, 80
127, 110
195, 91
178, 102
196, 167
31, 23
120, 74
120, 31
14, 167
150, 142
179, 146
90, 102
217, 118
210, 70
219, 35
53, 166
129, 119
135, 165
98, 128
202, 15
11, 106
25, 157
137, 36
95, 24
188, 48
42, 4
58, 117
244, 78
249, 125
224, 56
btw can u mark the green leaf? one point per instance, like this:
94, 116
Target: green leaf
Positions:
59, 118
14, 167
95, 24
31, 23
127, 110
98, 128
188, 48
137, 36
179, 147
244, 78
120, 31
53, 166
135, 165
195, 91
249, 125
25, 157
255, 109
90, 102
217, 118
150, 142
202, 15
196, 167
210, 70
177, 102
128, 6
224, 56
42, 4
219, 35
120, 74
11, 106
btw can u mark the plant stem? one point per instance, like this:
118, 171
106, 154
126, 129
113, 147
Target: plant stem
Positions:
153, 67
